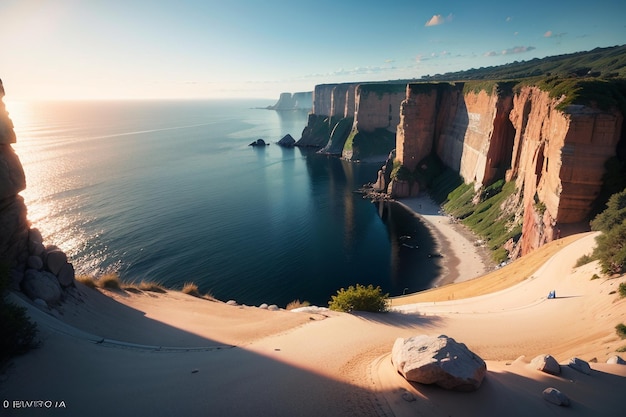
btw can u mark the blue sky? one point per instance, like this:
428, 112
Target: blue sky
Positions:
75, 49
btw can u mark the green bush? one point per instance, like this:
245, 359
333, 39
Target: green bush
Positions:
359, 298
17, 332
611, 244
622, 289
583, 260
620, 329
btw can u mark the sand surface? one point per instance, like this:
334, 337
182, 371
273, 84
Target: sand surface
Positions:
122, 354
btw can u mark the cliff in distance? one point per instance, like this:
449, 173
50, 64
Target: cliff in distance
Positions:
295, 101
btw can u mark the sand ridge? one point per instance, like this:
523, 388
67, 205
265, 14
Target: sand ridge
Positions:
187, 356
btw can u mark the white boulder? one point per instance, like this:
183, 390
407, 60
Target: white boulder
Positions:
547, 364
438, 360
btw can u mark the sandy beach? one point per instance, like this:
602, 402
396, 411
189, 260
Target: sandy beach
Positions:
120, 353
463, 259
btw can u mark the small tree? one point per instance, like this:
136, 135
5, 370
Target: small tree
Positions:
359, 298
611, 248
17, 332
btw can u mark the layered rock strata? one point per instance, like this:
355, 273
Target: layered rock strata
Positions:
366, 107
556, 156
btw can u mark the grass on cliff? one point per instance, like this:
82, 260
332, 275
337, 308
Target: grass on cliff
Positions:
483, 213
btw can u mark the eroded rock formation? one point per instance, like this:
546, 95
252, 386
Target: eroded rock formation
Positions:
555, 156
369, 108
41, 272
13, 223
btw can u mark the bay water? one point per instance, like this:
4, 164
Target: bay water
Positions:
170, 191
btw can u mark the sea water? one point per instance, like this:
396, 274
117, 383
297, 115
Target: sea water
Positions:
170, 191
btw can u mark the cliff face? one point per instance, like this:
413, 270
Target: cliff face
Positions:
378, 106
43, 273
368, 107
556, 157
13, 224
558, 161
295, 101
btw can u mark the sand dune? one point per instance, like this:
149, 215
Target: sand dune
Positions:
172, 354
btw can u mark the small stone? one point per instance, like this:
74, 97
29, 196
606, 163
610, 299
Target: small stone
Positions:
41, 303
273, 307
42, 285
408, 397
34, 262
547, 364
263, 306
231, 302
580, 365
554, 396
55, 260
616, 360
66, 275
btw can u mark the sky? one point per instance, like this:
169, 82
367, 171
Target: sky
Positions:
151, 49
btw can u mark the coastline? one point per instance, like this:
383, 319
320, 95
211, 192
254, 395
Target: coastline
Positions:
462, 259
205, 356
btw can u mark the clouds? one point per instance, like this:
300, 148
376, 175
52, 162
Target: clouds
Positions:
550, 34
439, 20
511, 51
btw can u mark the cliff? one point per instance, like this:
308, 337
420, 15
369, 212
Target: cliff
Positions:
42, 272
371, 110
558, 161
555, 154
295, 101
13, 224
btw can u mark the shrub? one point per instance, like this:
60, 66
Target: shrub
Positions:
359, 298
611, 250
17, 332
191, 289
151, 286
297, 304
621, 349
110, 281
611, 247
622, 289
87, 280
621, 330
583, 260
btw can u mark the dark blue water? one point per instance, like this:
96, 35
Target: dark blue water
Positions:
171, 192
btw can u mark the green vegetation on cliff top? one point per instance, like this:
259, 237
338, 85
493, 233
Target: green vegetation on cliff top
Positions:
592, 78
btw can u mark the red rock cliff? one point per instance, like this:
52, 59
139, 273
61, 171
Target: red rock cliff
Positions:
558, 161
556, 157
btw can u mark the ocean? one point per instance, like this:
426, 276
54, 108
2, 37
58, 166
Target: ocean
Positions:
170, 191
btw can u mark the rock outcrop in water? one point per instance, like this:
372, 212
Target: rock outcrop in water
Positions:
41, 272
